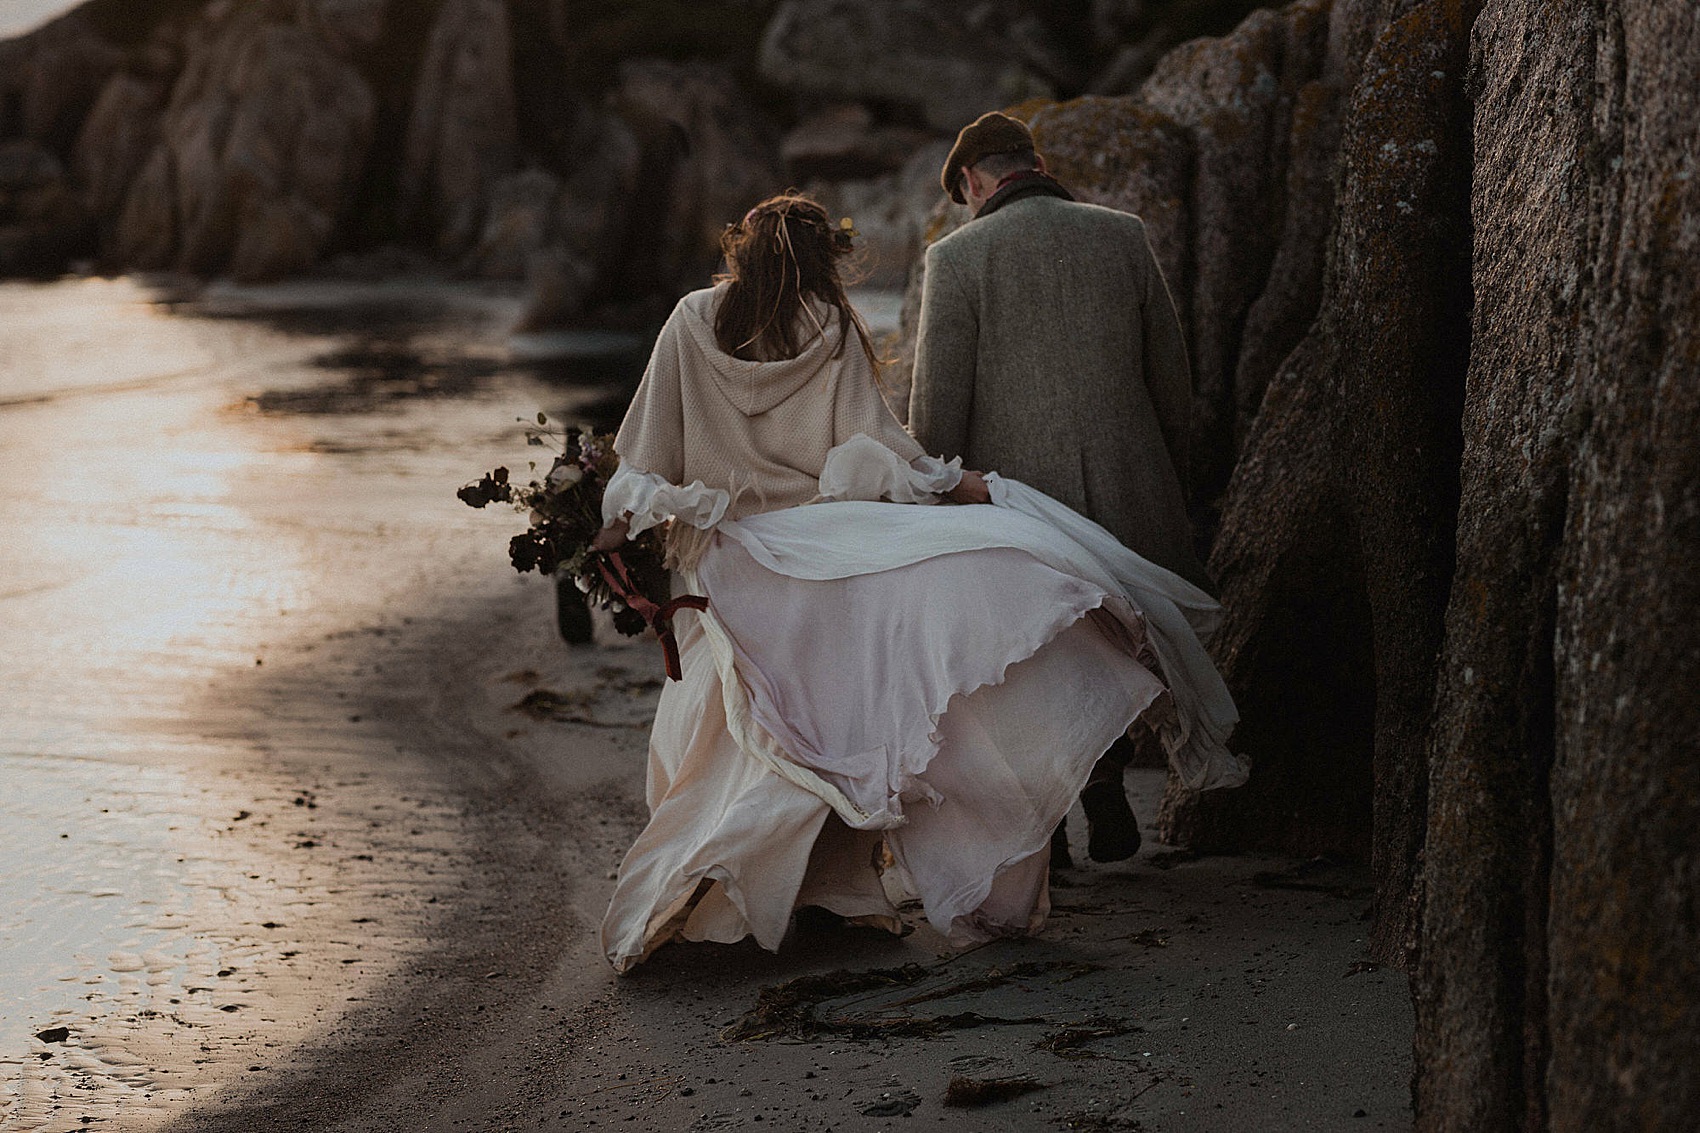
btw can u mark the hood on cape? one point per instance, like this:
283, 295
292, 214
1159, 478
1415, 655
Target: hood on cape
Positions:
756, 387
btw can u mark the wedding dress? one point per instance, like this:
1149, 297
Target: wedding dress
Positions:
882, 698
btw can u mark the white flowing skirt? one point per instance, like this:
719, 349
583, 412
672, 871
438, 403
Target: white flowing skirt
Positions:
914, 689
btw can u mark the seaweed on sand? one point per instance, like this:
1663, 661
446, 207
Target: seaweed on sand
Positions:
963, 1092
793, 1009
1070, 1041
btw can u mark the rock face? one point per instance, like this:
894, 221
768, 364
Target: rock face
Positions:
117, 138
593, 149
40, 220
1335, 552
892, 213
258, 150
258, 139
1452, 365
845, 143
709, 156
1235, 99
462, 139
1558, 985
918, 53
48, 79
567, 231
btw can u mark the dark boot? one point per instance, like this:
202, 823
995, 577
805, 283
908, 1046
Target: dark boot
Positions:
572, 612
1060, 857
1112, 829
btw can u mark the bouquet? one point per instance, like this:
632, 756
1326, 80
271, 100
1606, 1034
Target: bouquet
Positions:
565, 508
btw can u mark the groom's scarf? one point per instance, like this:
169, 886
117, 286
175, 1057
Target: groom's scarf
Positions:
1026, 183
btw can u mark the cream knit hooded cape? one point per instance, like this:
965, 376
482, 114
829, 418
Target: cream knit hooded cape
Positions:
760, 431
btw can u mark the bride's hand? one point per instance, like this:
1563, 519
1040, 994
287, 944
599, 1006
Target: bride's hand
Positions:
972, 490
612, 537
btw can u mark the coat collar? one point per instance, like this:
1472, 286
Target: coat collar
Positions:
1026, 183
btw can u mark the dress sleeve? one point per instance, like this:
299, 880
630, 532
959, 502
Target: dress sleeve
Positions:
649, 499
652, 437
864, 469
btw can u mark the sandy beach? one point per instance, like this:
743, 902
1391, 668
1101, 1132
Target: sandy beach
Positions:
319, 872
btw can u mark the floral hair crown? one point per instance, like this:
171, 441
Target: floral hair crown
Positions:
840, 236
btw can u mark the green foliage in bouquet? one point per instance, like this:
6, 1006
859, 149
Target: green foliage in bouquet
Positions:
565, 508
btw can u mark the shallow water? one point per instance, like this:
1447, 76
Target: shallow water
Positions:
195, 482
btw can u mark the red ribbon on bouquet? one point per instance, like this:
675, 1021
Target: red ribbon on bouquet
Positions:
660, 618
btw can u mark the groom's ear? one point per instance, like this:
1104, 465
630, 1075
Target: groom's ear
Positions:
966, 181
1039, 163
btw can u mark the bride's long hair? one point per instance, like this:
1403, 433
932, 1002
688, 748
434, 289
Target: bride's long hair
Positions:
785, 251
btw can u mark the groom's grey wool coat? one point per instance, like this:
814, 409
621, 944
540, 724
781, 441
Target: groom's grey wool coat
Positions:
1049, 351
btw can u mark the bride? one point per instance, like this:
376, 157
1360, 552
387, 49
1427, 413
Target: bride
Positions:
881, 699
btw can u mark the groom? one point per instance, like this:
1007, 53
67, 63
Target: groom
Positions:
1049, 350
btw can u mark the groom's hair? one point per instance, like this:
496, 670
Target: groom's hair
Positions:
1003, 164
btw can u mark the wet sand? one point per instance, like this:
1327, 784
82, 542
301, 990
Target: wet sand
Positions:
375, 883
221, 524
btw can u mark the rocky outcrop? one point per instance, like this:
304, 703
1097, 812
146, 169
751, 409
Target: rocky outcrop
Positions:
258, 139
520, 221
920, 54
1130, 37
1559, 986
40, 220
462, 138
1235, 99
596, 150
891, 213
115, 141
563, 232
258, 150
347, 27
678, 155
844, 142
1488, 858
49, 79
1458, 390
709, 156
1335, 551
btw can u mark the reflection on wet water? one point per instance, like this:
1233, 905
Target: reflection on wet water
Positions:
372, 373
194, 489
372, 370
81, 834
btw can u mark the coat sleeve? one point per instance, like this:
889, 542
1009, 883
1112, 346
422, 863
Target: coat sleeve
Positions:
1168, 378
652, 437
942, 396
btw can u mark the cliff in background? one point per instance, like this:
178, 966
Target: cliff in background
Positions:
595, 149
486, 137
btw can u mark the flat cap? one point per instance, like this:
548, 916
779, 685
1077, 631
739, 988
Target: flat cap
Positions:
988, 134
